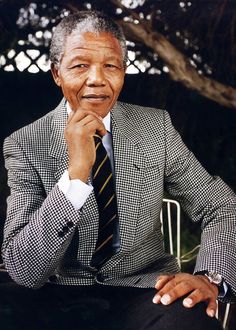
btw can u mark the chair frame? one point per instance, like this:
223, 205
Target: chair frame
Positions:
170, 202
181, 259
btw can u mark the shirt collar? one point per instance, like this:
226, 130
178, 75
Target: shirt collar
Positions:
106, 120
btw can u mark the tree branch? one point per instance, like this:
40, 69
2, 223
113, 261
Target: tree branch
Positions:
179, 66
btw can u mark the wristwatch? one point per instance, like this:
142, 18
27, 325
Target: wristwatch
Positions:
214, 278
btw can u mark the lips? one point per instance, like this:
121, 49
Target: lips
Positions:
95, 97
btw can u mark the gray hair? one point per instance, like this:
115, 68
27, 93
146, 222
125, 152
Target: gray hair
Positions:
84, 21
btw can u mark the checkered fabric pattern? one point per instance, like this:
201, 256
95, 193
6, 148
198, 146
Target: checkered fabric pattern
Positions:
46, 239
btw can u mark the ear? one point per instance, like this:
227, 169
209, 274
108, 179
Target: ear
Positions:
55, 74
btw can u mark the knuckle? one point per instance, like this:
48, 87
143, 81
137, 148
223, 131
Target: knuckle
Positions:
186, 285
79, 131
173, 293
163, 277
68, 131
202, 292
213, 303
161, 292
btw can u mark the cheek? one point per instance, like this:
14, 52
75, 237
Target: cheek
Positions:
71, 86
117, 85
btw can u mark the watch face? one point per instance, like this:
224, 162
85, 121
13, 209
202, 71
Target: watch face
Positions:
214, 278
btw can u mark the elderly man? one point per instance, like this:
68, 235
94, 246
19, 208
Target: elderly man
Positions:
87, 183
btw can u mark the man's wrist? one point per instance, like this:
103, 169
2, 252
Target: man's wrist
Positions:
78, 174
217, 280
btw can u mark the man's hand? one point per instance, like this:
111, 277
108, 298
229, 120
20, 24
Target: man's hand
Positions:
197, 287
79, 135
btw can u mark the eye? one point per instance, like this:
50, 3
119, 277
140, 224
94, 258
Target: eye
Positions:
79, 66
111, 66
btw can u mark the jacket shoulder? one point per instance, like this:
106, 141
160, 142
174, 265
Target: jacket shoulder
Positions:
145, 118
134, 110
38, 132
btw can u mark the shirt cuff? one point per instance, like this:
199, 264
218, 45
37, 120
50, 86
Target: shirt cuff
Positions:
223, 290
76, 191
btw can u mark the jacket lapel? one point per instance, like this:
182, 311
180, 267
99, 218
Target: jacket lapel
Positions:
129, 173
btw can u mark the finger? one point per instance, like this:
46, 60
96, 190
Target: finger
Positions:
165, 283
70, 116
178, 286
93, 127
80, 114
195, 297
101, 130
162, 280
89, 118
211, 308
169, 285
83, 118
199, 295
173, 291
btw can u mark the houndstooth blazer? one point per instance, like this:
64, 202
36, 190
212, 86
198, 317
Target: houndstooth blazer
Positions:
47, 240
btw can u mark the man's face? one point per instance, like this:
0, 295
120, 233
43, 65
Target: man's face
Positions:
91, 72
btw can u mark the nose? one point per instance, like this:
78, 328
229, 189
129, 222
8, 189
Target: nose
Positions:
96, 76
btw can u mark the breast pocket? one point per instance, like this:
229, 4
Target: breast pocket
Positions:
153, 185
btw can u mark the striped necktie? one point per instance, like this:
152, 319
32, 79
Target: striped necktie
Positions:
107, 206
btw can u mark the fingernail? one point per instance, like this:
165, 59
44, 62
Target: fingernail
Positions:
165, 299
211, 313
187, 302
156, 299
157, 284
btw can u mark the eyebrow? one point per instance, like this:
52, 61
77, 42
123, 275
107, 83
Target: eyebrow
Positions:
86, 58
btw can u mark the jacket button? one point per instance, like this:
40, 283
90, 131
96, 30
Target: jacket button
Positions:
70, 224
65, 229
102, 278
52, 278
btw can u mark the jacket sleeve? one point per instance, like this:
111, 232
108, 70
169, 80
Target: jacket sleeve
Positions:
38, 228
207, 200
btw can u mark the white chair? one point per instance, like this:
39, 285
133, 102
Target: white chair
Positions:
170, 215
170, 218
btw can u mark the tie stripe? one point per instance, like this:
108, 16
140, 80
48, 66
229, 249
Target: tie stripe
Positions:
109, 201
105, 184
106, 199
100, 166
103, 243
109, 221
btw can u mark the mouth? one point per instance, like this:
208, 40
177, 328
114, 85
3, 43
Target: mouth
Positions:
95, 97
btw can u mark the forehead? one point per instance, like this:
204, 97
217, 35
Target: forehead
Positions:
91, 42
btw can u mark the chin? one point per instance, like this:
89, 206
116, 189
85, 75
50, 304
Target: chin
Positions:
100, 109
